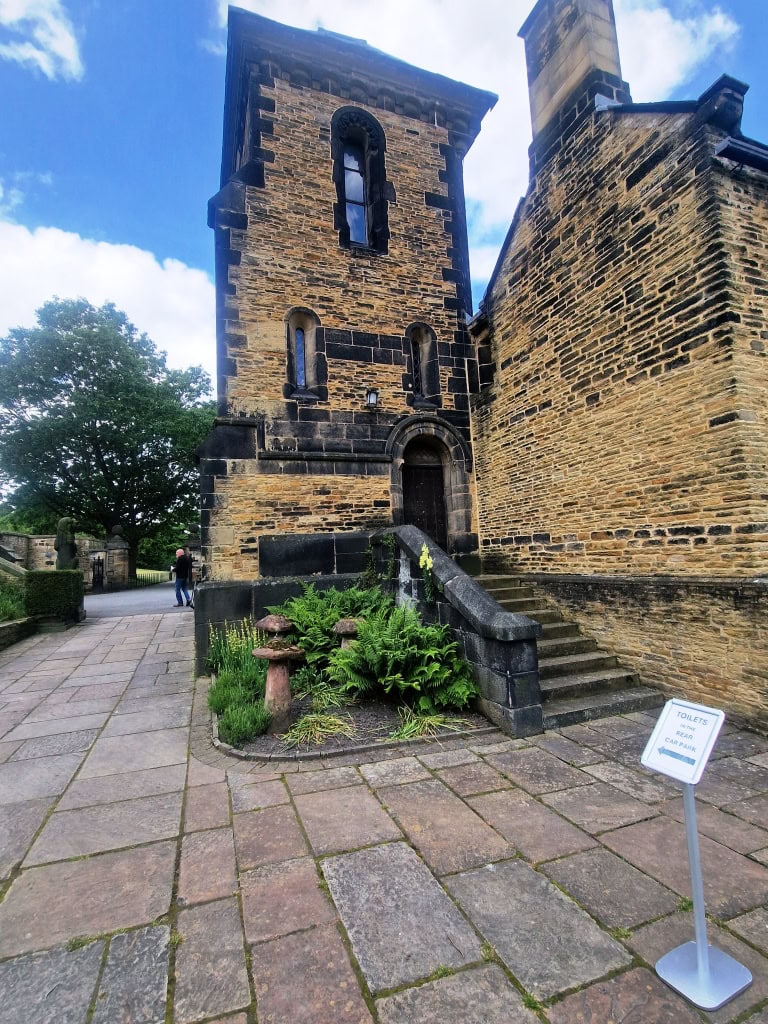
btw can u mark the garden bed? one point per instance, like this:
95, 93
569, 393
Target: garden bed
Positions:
399, 679
373, 721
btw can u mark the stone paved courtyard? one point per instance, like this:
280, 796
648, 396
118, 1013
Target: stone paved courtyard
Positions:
146, 877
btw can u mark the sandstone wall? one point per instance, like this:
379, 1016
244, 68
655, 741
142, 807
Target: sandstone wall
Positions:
624, 427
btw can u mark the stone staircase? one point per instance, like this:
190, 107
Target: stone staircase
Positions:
578, 681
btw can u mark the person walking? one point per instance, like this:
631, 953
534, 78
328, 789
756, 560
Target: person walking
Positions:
183, 572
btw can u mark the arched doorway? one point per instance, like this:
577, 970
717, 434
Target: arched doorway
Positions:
424, 489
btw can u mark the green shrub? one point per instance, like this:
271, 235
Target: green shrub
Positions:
58, 592
11, 599
242, 722
396, 653
314, 614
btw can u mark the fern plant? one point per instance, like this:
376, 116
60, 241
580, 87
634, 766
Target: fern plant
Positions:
314, 614
396, 653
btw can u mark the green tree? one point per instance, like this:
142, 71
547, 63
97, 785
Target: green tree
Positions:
94, 425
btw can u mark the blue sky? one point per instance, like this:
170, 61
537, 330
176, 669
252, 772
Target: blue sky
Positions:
110, 134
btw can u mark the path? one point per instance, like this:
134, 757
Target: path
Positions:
150, 878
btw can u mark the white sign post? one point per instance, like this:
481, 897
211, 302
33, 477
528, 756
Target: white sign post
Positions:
680, 745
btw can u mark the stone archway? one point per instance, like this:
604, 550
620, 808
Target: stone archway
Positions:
427, 441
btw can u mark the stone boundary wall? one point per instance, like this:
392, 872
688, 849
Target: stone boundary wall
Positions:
703, 639
12, 632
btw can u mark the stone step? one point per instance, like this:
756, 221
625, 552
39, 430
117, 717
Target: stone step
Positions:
576, 683
523, 605
572, 710
575, 664
537, 614
560, 646
556, 630
512, 593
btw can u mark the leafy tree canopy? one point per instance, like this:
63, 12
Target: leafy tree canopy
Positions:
94, 425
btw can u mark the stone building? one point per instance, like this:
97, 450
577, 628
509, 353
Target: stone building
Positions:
601, 428
344, 363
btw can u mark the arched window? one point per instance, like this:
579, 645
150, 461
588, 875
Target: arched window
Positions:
425, 371
358, 144
301, 326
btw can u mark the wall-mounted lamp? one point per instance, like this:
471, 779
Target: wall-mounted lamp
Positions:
372, 399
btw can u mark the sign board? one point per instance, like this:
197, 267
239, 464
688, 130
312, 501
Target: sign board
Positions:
682, 740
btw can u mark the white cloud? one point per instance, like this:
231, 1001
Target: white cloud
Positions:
660, 52
40, 35
173, 303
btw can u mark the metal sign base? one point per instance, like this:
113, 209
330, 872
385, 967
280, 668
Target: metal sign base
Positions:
711, 989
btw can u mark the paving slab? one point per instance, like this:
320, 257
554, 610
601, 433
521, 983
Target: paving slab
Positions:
394, 773
481, 995
134, 985
66, 743
268, 837
726, 829
477, 777
549, 944
328, 778
753, 927
30, 730
49, 905
646, 786
742, 744
310, 970
200, 774
538, 771
566, 749
732, 883
344, 819
283, 898
207, 807
21, 781
614, 892
115, 755
207, 870
536, 831
400, 922
108, 789
448, 758
50, 988
211, 975
149, 720
754, 809
18, 825
599, 807
107, 827
56, 710
449, 835
259, 794
652, 941
635, 997
742, 773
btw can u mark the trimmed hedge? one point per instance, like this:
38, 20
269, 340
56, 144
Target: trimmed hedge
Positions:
58, 593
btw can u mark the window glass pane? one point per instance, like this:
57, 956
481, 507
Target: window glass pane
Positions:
353, 187
418, 387
301, 369
358, 231
353, 157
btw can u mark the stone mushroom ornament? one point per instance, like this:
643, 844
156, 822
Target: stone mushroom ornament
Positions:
279, 653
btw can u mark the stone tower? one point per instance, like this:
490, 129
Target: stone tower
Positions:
342, 282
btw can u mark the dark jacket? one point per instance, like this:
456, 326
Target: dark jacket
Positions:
183, 567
